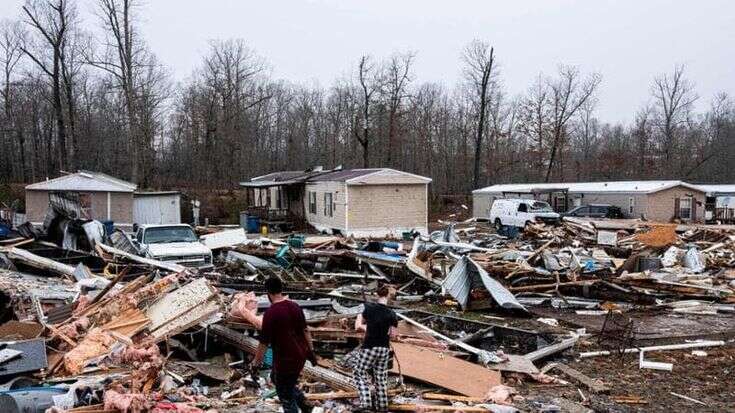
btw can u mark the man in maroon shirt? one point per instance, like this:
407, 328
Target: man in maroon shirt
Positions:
284, 328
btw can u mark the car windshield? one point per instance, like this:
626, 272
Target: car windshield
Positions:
539, 206
161, 235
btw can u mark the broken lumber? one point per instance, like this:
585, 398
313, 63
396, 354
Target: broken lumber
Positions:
433, 408
551, 349
594, 385
330, 377
142, 260
42, 263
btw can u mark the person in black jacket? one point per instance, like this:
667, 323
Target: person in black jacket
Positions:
378, 322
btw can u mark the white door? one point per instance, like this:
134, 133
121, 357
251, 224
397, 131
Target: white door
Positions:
157, 209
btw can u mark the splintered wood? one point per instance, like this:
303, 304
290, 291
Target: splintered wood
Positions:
443, 370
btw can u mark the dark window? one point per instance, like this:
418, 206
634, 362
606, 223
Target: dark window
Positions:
312, 202
522, 208
598, 210
328, 207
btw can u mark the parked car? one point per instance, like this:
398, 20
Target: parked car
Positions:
521, 212
172, 243
595, 211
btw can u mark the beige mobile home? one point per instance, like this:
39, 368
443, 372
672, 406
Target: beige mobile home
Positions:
659, 201
360, 202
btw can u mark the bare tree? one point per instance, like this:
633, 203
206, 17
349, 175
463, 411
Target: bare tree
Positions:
123, 57
369, 85
51, 20
586, 134
10, 54
567, 95
642, 137
396, 78
479, 60
674, 97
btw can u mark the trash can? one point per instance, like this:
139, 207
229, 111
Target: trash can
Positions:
109, 227
4, 230
253, 224
296, 241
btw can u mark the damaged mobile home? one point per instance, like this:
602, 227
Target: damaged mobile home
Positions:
359, 202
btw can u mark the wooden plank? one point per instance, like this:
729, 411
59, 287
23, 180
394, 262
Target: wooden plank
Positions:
441, 369
426, 408
594, 385
452, 398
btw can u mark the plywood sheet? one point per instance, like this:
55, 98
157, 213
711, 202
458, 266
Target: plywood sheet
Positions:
178, 302
441, 369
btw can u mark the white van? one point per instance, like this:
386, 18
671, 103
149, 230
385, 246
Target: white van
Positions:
520, 212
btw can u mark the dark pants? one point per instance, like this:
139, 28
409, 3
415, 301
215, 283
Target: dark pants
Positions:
292, 399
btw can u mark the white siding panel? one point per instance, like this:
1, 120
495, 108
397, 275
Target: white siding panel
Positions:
157, 209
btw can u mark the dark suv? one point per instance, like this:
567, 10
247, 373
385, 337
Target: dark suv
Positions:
595, 211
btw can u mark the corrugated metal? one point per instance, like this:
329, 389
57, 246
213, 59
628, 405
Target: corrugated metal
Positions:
157, 209
458, 284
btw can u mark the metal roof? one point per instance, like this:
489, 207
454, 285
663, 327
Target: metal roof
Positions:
340, 175
343, 175
644, 187
715, 189
86, 181
280, 178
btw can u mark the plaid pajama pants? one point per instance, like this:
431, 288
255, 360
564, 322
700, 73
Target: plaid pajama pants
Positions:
372, 362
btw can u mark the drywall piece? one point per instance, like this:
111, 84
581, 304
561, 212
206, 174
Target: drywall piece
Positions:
7, 354
228, 238
517, 364
441, 369
182, 308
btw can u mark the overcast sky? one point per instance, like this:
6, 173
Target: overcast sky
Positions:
628, 42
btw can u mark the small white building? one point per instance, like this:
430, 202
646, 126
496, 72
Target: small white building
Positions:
163, 207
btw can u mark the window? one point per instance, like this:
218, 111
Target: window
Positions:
522, 208
328, 207
631, 205
312, 202
685, 208
580, 211
164, 235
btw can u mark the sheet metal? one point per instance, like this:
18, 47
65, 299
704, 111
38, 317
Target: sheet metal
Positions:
458, 284
33, 356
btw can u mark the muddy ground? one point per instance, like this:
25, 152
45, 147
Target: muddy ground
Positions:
708, 379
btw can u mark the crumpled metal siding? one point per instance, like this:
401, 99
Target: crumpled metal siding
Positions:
458, 285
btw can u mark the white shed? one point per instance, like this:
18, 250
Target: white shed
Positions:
157, 207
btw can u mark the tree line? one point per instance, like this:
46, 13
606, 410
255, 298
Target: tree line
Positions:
96, 97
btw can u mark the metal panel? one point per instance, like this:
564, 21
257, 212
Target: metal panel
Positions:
157, 209
458, 284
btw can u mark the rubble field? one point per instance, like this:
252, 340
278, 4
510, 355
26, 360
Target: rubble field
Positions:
588, 315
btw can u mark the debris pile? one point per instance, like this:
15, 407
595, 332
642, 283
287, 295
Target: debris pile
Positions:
529, 315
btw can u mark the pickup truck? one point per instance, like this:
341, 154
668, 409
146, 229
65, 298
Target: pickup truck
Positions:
172, 243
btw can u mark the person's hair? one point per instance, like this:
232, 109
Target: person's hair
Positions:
383, 290
274, 285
